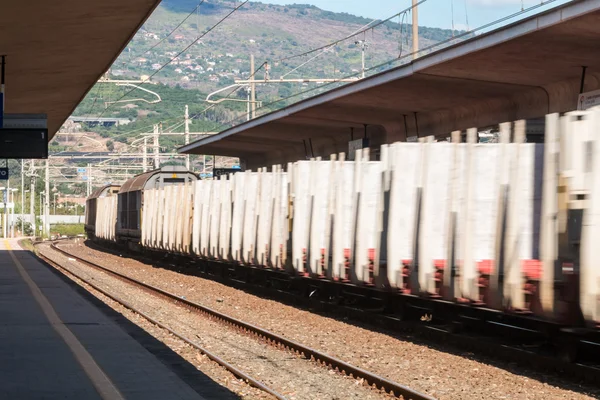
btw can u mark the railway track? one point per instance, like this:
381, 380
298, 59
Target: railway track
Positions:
495, 340
276, 341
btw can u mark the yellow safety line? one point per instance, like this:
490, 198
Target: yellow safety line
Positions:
100, 380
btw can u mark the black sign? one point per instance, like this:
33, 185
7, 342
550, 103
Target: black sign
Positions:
23, 143
3, 174
217, 172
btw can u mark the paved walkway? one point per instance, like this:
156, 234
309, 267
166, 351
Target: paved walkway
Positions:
56, 344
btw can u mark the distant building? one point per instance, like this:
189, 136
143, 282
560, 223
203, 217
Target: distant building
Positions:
75, 200
156, 66
150, 35
93, 121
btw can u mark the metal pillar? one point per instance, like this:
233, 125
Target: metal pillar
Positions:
253, 87
363, 45
187, 137
145, 168
47, 201
22, 197
32, 200
415, 28
5, 204
89, 180
12, 216
248, 104
156, 148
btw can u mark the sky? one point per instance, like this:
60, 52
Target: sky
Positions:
433, 13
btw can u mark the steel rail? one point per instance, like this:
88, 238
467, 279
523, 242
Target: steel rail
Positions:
326, 360
235, 371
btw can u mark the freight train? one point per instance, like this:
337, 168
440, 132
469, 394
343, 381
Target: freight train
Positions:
506, 228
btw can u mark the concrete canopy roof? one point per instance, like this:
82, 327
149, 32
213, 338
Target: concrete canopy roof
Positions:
56, 51
524, 70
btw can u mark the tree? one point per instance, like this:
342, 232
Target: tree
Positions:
110, 145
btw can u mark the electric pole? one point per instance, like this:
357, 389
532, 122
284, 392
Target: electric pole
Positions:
145, 167
22, 197
187, 136
32, 197
156, 148
363, 44
415, 28
248, 104
252, 87
89, 180
47, 201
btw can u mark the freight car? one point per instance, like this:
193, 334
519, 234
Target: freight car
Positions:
95, 207
505, 229
131, 202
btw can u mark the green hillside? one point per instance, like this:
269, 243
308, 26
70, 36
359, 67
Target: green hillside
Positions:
270, 32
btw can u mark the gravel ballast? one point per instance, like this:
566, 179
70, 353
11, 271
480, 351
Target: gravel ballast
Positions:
283, 371
437, 373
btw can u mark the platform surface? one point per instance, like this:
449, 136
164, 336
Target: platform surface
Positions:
57, 344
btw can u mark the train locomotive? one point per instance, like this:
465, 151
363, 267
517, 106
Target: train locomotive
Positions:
505, 228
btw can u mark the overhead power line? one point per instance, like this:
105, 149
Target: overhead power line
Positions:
232, 91
177, 27
325, 50
352, 34
376, 67
180, 53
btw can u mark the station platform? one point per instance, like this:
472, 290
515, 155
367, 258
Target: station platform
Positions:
56, 342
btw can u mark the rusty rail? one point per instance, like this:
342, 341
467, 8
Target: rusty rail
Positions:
235, 371
333, 363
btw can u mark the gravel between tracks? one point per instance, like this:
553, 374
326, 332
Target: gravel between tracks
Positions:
288, 374
210, 368
440, 374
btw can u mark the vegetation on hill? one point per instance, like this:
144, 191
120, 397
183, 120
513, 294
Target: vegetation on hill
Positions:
272, 33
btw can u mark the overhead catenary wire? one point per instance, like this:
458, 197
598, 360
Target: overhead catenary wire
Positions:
197, 8
463, 34
232, 91
401, 44
194, 116
352, 34
177, 27
325, 50
206, 32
